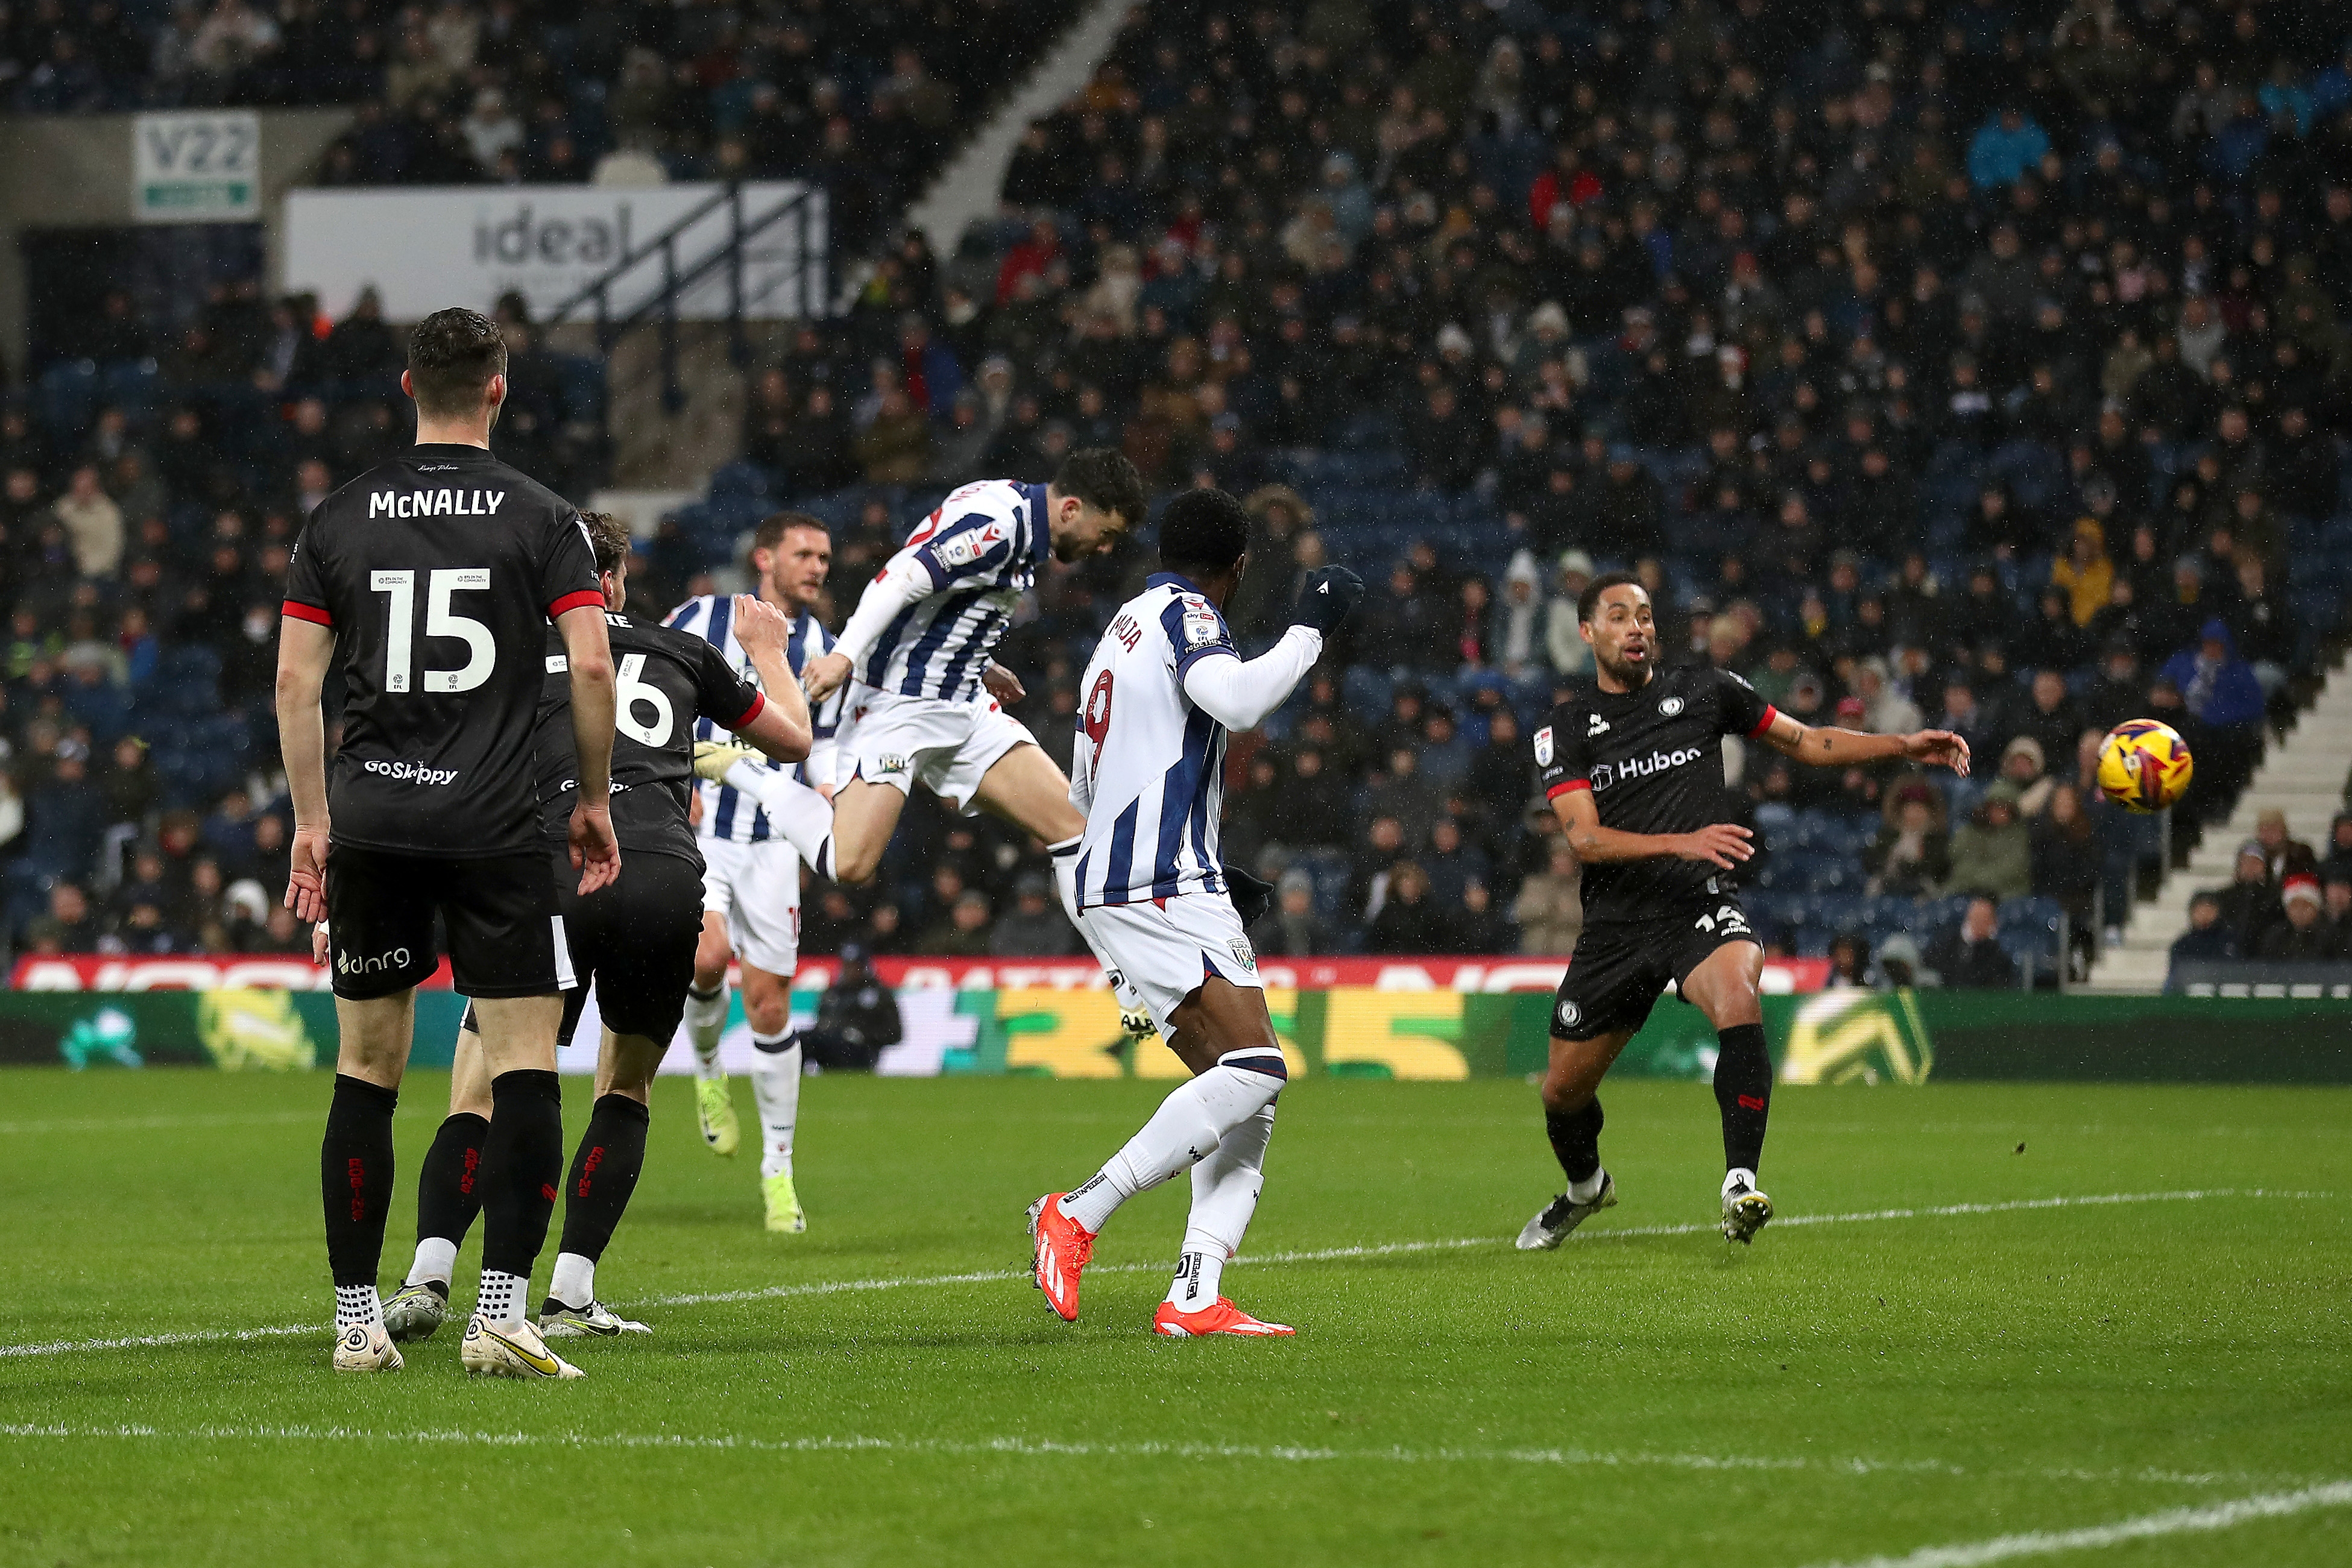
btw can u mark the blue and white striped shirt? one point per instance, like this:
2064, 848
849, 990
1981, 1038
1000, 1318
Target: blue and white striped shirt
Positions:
726, 813
981, 550
1150, 764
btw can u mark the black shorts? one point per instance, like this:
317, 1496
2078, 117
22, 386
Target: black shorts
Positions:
1619, 967
633, 941
506, 938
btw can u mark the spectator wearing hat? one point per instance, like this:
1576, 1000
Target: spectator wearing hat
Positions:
2023, 764
2305, 934
2249, 904
1571, 657
2221, 689
1549, 909
856, 1020
2209, 938
1292, 928
2283, 855
2337, 863
962, 932
1912, 856
1993, 854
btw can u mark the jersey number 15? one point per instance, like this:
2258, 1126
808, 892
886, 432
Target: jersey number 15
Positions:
399, 639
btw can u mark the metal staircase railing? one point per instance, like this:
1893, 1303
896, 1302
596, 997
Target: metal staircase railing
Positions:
800, 210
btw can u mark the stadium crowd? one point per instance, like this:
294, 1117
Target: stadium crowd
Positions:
1979, 364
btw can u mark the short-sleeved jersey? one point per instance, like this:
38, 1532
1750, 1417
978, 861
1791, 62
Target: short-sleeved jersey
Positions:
666, 683
1149, 766
438, 572
981, 550
1654, 761
727, 813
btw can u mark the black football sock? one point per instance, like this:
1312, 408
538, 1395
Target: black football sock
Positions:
449, 1188
1576, 1140
522, 1160
1743, 1091
604, 1173
355, 1176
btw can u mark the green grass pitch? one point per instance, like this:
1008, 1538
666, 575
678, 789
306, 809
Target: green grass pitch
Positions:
1861, 1386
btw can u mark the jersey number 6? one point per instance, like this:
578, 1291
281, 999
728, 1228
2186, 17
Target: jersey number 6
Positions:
629, 691
481, 649
1096, 719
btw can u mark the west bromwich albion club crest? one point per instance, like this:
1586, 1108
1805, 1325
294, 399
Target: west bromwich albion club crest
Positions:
1671, 706
1241, 954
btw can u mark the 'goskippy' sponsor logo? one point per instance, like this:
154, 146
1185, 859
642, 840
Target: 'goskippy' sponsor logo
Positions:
435, 503
1642, 766
408, 772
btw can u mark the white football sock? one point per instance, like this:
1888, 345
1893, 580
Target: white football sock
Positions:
1739, 1174
356, 1304
575, 1280
1588, 1189
1225, 1187
503, 1297
706, 1020
436, 1259
1188, 1126
799, 812
776, 1090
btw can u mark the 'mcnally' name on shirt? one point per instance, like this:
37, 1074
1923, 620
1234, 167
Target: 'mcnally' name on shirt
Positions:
435, 503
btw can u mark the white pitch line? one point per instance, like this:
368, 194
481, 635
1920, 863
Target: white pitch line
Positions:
2171, 1522
1317, 1255
150, 1123
1052, 1448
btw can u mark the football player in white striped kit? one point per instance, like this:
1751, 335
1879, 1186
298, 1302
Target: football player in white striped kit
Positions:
1165, 686
917, 663
752, 875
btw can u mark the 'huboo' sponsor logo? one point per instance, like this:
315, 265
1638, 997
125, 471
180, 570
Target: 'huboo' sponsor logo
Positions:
409, 772
356, 964
1642, 766
435, 503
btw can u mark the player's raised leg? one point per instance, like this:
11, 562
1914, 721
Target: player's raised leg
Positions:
449, 1195
1724, 987
1571, 1102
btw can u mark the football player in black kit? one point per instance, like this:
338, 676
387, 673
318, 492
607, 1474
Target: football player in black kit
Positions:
432, 578
634, 940
1635, 770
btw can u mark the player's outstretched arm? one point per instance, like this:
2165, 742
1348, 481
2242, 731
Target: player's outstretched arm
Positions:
1721, 845
781, 727
903, 582
305, 649
1241, 695
1830, 748
595, 852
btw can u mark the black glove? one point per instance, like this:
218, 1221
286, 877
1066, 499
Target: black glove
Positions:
1251, 896
1326, 597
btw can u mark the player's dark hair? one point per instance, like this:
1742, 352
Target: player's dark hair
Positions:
1203, 532
1105, 480
1588, 603
776, 524
452, 355
608, 539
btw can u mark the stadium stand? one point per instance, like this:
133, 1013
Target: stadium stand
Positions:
1981, 365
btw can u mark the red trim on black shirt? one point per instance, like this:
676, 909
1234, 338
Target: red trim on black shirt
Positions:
580, 599
1771, 713
758, 705
1564, 786
310, 612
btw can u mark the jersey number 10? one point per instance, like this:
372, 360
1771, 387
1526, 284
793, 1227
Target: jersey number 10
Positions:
399, 641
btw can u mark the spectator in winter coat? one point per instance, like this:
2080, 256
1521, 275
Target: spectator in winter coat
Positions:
2249, 904
2306, 936
1970, 955
1912, 856
1292, 929
1409, 920
2283, 855
2208, 938
2221, 690
1549, 909
1993, 854
2006, 146
2084, 571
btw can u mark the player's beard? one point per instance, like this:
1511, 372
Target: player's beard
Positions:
1625, 673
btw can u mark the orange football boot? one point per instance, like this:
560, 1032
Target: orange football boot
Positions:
1220, 1316
1063, 1249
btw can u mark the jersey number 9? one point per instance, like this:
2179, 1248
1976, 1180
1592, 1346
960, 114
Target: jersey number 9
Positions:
399, 639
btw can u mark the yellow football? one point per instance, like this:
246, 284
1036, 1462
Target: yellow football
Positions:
2144, 766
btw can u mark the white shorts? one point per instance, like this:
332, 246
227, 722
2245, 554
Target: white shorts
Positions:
758, 888
1159, 951
946, 746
